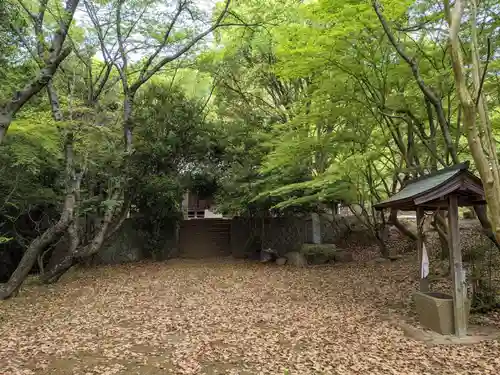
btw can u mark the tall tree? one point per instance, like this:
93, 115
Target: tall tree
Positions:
48, 65
478, 126
161, 37
122, 30
434, 96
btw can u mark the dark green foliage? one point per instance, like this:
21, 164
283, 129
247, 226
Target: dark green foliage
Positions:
483, 261
172, 153
157, 201
16, 62
203, 185
10, 16
31, 185
30, 167
171, 132
319, 253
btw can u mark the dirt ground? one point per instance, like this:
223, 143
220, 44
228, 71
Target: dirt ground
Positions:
226, 318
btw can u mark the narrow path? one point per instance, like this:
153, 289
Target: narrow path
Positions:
199, 318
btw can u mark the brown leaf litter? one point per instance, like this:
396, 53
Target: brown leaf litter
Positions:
202, 317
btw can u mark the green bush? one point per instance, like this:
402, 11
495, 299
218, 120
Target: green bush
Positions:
483, 261
318, 249
319, 253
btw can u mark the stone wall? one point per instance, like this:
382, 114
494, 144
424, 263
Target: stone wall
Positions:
124, 246
240, 237
129, 244
284, 234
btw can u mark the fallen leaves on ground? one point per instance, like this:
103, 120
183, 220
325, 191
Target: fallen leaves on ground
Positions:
226, 317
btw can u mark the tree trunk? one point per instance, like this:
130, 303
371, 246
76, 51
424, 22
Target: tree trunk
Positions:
441, 227
11, 288
472, 103
62, 259
374, 227
5, 120
98, 240
384, 251
56, 55
482, 144
74, 241
50, 235
55, 273
124, 211
382, 235
128, 103
72, 230
79, 253
36, 247
54, 103
485, 223
393, 220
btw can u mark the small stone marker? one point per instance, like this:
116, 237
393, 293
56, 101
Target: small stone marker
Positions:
296, 259
281, 261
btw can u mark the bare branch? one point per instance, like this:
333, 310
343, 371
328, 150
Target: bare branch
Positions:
488, 56
148, 74
164, 41
119, 35
56, 54
25, 44
410, 61
426, 90
27, 10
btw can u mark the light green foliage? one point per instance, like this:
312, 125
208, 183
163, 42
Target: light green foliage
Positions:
30, 160
34, 142
348, 135
22, 53
29, 172
4, 240
14, 64
195, 83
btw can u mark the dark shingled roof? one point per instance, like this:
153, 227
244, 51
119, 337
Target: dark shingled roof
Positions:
427, 184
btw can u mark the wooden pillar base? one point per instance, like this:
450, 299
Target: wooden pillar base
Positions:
424, 282
424, 285
457, 272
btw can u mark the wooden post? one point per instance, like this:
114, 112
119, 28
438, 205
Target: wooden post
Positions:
424, 282
458, 275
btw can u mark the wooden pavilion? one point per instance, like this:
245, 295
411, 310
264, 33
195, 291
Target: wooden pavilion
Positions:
446, 189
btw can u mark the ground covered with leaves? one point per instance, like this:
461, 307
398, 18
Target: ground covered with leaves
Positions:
226, 318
